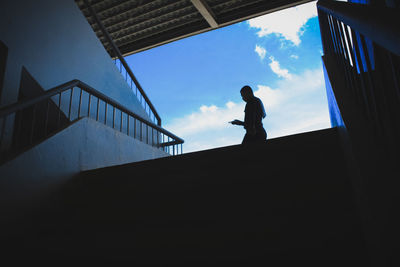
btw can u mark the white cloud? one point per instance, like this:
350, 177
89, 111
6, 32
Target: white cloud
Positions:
205, 109
260, 51
287, 23
294, 56
293, 106
276, 68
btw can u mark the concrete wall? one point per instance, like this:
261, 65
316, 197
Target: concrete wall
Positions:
84, 145
56, 44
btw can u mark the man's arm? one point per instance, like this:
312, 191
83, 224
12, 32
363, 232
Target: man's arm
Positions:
237, 122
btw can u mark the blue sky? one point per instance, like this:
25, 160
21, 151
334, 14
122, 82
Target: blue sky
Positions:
194, 83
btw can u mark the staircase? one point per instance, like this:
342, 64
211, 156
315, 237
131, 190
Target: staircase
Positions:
286, 203
35, 118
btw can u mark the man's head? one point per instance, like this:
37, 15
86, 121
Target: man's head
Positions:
247, 93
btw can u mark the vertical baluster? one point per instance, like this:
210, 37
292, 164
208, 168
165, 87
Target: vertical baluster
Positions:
121, 123
346, 62
147, 133
332, 33
329, 35
32, 124
181, 148
59, 110
158, 138
341, 56
141, 134
98, 106
370, 80
113, 124
341, 39
354, 69
80, 104
359, 66
127, 131
134, 127
88, 111
105, 113
47, 117
152, 136
70, 103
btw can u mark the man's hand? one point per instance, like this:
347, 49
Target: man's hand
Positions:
236, 122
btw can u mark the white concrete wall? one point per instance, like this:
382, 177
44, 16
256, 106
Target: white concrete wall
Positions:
56, 44
84, 145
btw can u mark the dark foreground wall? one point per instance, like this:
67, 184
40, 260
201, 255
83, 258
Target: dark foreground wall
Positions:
85, 145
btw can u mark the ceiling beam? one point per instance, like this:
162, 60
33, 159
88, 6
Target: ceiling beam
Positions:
206, 12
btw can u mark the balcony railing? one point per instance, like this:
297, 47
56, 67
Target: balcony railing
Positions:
363, 41
29, 122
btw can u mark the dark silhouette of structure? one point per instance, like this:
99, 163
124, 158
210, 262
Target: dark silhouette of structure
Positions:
254, 113
323, 198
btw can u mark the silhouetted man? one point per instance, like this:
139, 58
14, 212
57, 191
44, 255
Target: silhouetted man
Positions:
253, 115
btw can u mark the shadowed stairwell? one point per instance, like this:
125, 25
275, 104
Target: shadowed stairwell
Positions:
287, 203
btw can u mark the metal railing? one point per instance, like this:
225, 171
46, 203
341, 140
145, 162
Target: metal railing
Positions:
125, 70
364, 42
137, 89
28, 122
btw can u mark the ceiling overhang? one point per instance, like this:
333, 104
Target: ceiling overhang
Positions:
138, 25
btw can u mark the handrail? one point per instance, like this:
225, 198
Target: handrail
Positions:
122, 60
379, 24
58, 90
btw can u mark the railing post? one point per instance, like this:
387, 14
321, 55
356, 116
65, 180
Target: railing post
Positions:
70, 103
113, 124
121, 123
98, 106
88, 112
141, 131
59, 110
147, 134
127, 123
134, 128
80, 104
105, 113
